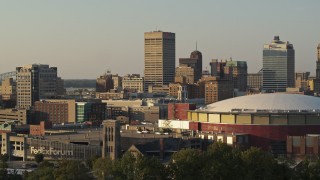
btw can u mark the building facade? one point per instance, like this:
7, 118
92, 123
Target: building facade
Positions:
187, 74
133, 83
301, 80
104, 83
111, 145
194, 62
159, 58
317, 79
94, 112
217, 90
56, 111
278, 66
35, 82
237, 71
254, 80
179, 110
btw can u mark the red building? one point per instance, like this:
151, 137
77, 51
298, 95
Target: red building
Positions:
179, 110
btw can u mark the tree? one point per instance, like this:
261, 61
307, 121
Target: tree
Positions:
43, 172
258, 164
102, 168
186, 164
149, 168
222, 162
3, 166
124, 168
38, 157
90, 162
72, 170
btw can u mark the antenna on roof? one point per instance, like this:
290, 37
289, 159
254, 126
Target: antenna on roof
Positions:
196, 46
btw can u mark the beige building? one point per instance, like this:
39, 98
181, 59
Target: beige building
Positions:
133, 83
8, 89
14, 145
159, 58
35, 82
217, 90
13, 115
117, 82
301, 80
254, 80
145, 113
56, 110
158, 89
111, 145
187, 72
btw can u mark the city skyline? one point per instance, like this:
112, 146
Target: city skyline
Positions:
106, 35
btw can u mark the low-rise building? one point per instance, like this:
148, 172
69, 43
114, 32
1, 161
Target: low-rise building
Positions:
56, 111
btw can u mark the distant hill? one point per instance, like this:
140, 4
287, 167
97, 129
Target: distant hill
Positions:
80, 83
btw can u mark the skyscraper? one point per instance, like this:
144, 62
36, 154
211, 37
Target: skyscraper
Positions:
317, 80
195, 62
35, 82
159, 58
278, 66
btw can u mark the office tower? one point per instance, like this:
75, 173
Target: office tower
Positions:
237, 72
254, 80
159, 58
61, 91
217, 68
132, 83
317, 80
104, 83
185, 73
217, 89
195, 62
278, 66
91, 111
301, 80
111, 146
117, 82
8, 93
35, 82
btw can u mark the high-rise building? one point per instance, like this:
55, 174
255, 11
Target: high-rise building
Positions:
111, 146
132, 83
217, 89
159, 58
301, 80
237, 72
104, 83
278, 66
187, 73
35, 82
254, 80
217, 68
317, 80
8, 93
195, 62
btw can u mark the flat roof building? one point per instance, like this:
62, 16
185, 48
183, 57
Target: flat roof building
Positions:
159, 58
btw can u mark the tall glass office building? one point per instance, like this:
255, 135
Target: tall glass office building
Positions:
278, 66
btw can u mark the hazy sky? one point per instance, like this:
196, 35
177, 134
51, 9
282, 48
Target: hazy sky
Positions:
84, 38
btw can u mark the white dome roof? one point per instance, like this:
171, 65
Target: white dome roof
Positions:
266, 102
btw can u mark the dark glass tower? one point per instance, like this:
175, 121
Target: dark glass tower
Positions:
278, 66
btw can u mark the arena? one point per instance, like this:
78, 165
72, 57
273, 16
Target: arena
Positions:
267, 118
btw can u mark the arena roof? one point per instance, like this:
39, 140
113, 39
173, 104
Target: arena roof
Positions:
273, 102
